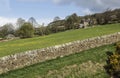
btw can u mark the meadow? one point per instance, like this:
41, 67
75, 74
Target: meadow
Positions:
22, 45
86, 64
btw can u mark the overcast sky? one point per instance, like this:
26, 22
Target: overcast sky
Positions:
46, 10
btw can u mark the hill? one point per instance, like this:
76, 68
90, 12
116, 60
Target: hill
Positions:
21, 45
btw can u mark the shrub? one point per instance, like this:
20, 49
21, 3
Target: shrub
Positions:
113, 62
118, 48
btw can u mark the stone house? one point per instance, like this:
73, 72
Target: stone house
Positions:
84, 23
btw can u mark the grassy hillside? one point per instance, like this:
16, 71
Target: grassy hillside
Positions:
22, 45
87, 64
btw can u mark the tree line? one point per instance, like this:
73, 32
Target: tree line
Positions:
30, 28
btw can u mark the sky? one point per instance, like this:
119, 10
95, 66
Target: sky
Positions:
44, 11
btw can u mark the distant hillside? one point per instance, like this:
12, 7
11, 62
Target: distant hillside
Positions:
75, 21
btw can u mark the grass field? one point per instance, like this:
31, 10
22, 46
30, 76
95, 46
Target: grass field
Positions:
87, 64
16, 46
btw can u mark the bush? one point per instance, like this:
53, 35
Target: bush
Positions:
118, 48
113, 62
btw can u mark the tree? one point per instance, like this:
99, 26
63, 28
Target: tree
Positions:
47, 31
57, 26
106, 16
26, 31
56, 18
3, 32
6, 29
20, 22
32, 21
118, 14
42, 31
72, 21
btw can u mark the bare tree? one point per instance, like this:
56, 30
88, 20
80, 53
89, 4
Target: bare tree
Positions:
20, 22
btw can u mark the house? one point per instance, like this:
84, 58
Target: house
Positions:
81, 25
84, 23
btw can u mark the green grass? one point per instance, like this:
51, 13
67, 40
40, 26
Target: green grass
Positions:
65, 66
16, 46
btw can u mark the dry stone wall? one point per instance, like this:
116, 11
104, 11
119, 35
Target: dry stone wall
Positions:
20, 60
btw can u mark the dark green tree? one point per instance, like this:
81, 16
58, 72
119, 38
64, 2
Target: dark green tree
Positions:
72, 21
26, 31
